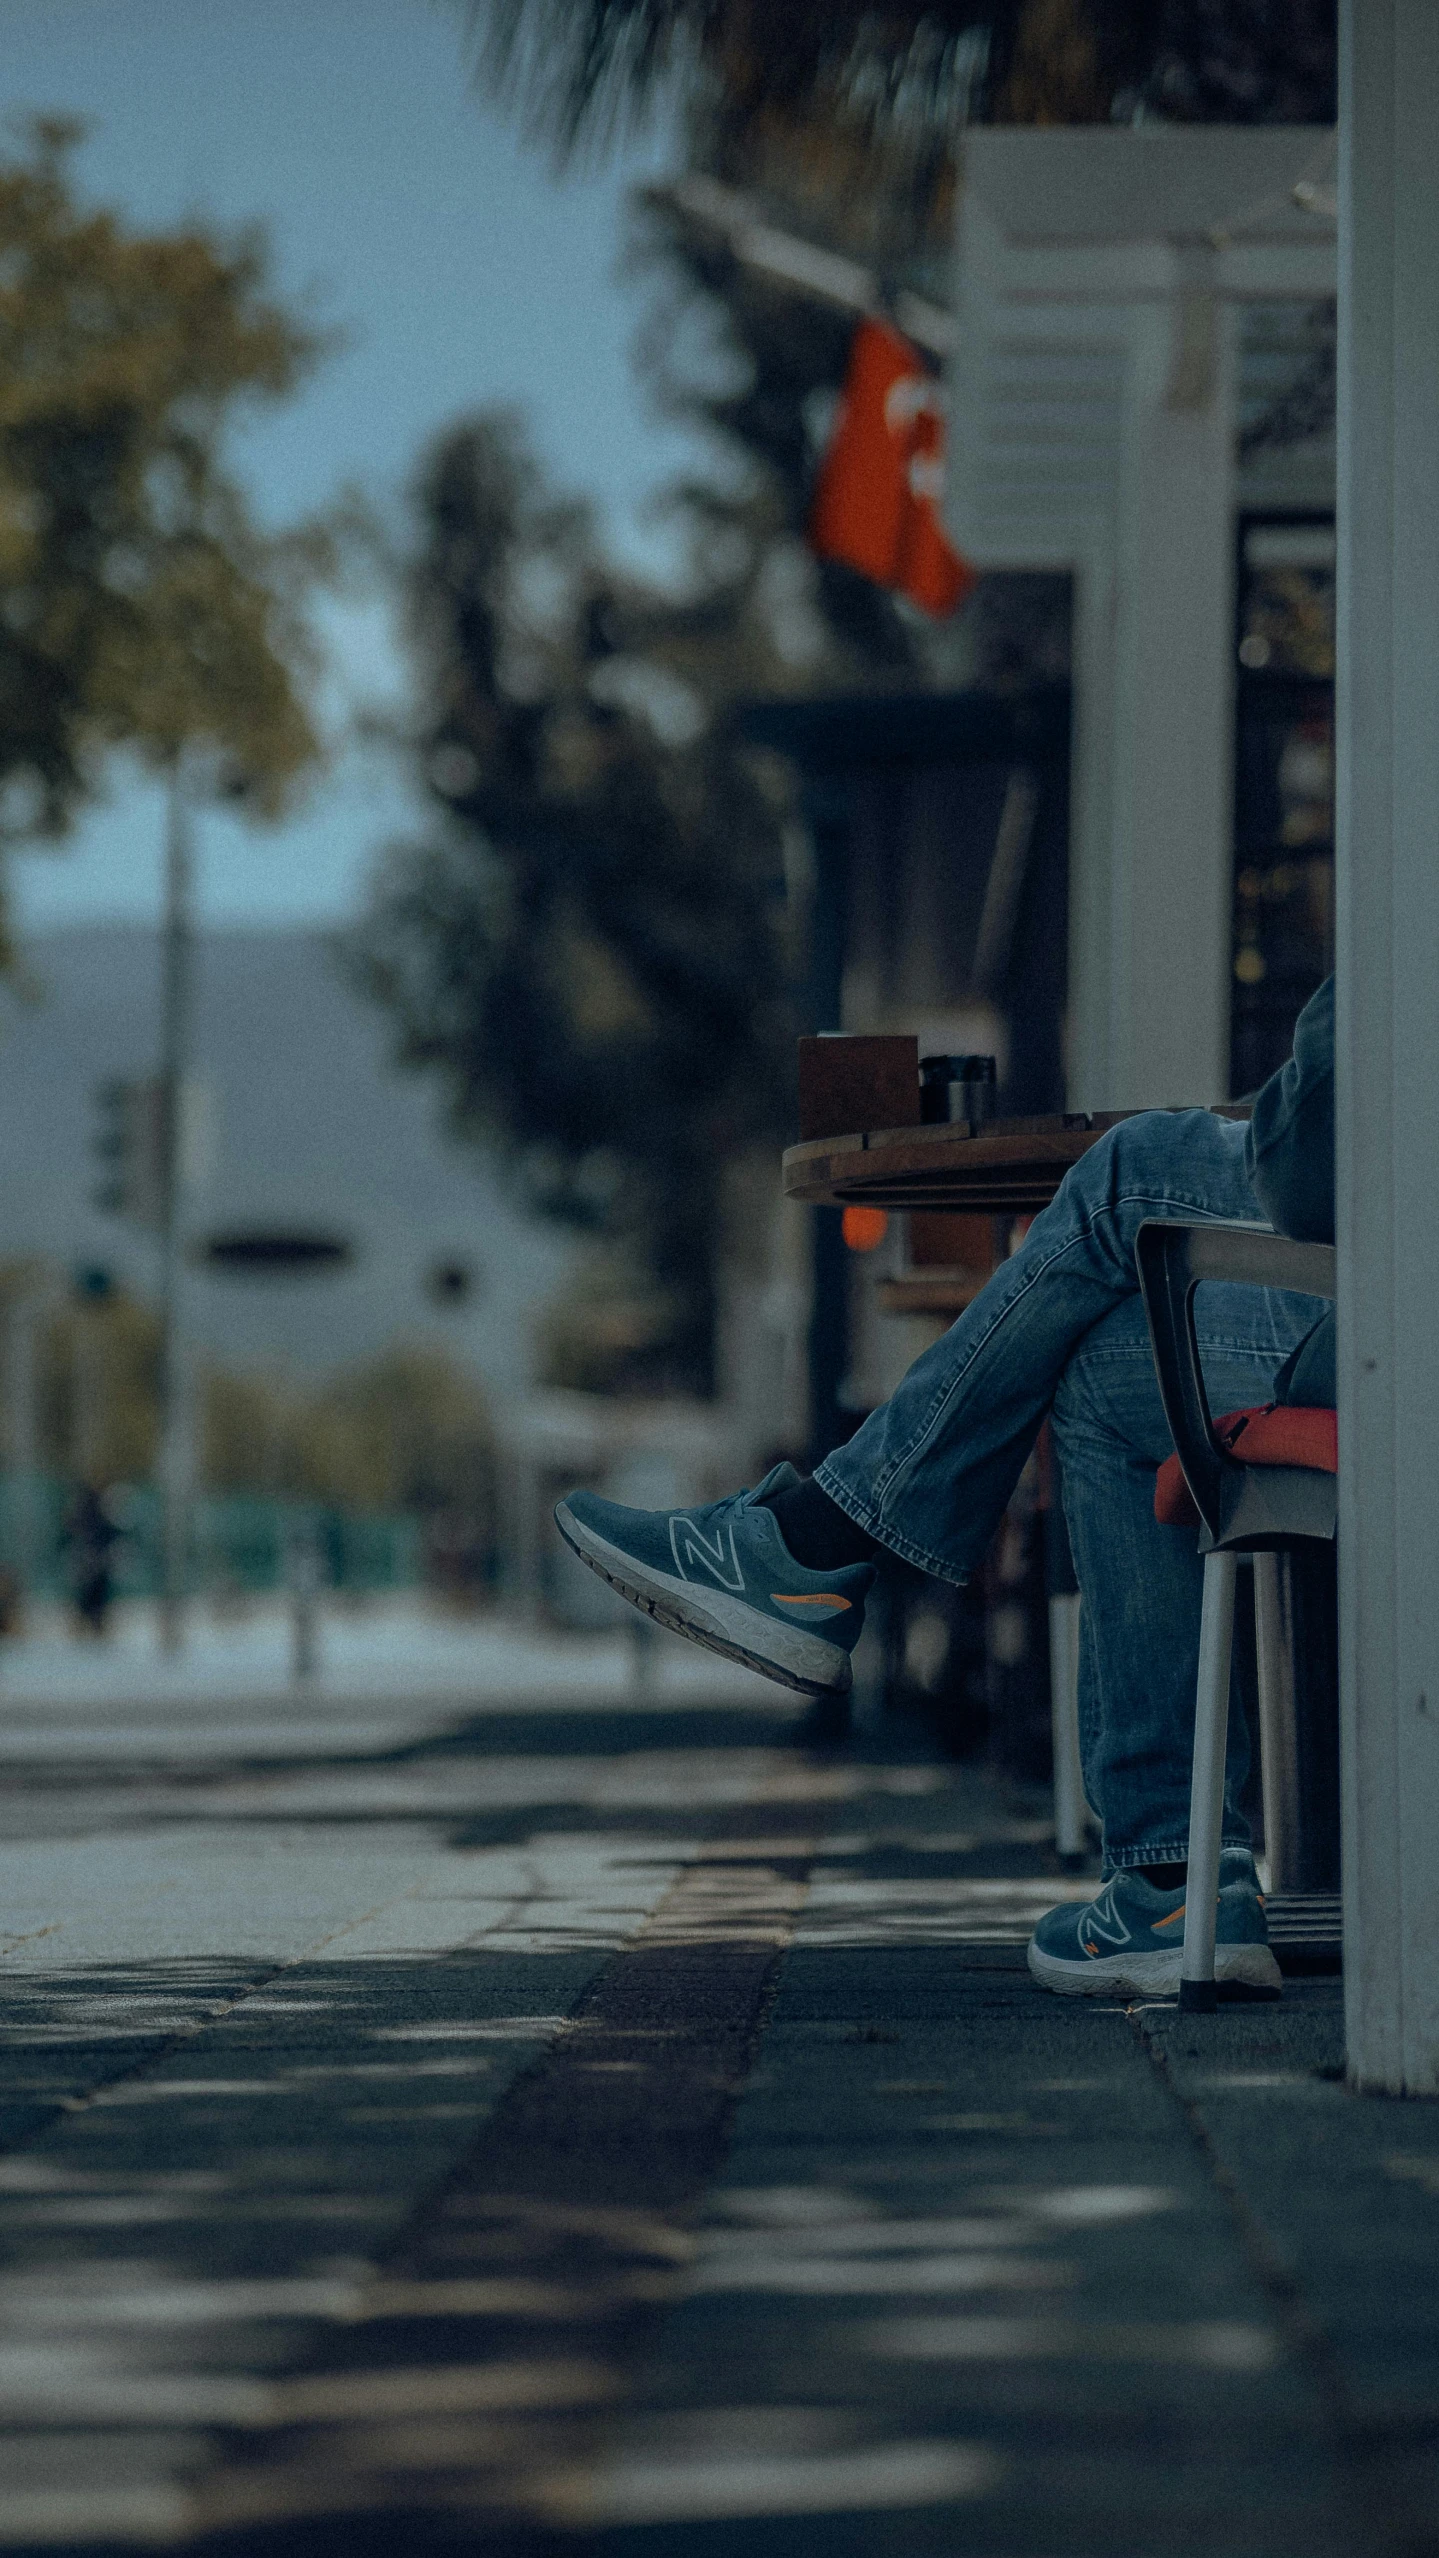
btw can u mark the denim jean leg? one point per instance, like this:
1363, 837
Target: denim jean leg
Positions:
1142, 1583
929, 1473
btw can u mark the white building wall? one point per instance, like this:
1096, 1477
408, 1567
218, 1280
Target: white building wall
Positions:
1092, 400
1388, 1037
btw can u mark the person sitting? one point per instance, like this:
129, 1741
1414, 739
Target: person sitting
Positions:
777, 1576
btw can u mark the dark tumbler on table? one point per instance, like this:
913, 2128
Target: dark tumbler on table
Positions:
957, 1088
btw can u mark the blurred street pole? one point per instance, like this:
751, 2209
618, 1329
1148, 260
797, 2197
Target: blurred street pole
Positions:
302, 1578
26, 1312
175, 1029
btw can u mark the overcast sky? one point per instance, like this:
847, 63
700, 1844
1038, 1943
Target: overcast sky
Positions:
407, 212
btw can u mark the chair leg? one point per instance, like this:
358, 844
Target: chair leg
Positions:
1070, 1809
1278, 1735
1206, 1795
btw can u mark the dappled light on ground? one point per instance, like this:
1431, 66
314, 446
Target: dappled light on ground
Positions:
495, 2118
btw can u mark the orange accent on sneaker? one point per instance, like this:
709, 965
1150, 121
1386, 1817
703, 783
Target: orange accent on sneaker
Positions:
1169, 1922
812, 1599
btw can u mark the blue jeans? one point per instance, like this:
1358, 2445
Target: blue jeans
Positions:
1060, 1330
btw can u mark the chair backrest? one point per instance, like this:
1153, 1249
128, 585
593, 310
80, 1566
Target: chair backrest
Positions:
1287, 1435
1172, 1261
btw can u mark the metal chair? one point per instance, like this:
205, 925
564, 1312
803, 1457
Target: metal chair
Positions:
1260, 1483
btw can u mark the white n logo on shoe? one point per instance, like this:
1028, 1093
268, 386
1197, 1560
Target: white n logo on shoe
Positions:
700, 1558
1102, 1919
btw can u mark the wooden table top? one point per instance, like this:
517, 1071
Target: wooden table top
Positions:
1013, 1168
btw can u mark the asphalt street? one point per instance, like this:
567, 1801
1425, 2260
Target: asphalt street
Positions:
480, 2103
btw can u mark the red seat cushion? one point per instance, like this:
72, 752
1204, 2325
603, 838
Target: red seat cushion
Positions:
1269, 1434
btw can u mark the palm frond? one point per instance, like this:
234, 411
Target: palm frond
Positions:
581, 70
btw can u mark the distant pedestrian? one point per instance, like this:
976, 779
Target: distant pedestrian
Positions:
90, 1536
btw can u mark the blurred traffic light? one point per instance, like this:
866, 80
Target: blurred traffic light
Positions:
128, 1145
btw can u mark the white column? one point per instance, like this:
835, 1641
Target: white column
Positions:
1388, 1036
1151, 861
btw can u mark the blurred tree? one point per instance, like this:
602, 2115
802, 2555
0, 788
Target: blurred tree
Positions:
589, 947
140, 603
409, 1430
582, 68
246, 1427
97, 1390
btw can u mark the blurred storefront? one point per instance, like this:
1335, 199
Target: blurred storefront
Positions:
937, 827
1142, 394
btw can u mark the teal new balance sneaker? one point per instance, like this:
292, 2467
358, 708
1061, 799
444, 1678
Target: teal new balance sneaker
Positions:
1129, 1940
723, 1575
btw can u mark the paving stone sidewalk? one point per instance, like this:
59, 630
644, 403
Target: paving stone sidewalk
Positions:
539, 2117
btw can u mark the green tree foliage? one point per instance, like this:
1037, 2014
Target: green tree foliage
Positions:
98, 1399
408, 1430
589, 945
140, 604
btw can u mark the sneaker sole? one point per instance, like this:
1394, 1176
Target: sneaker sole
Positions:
1151, 1975
800, 1660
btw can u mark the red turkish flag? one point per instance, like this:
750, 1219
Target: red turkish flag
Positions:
881, 483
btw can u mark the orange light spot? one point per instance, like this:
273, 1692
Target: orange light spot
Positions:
864, 1229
